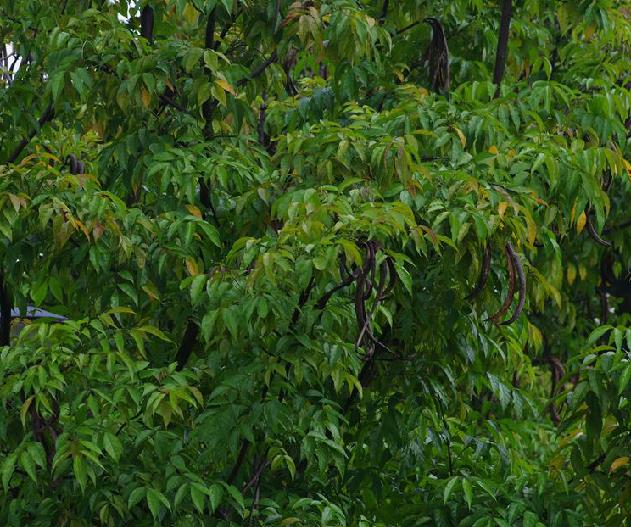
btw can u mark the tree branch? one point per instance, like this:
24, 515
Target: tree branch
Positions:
47, 116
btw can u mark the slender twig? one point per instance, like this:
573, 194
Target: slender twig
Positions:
622, 225
408, 27
257, 71
592, 231
239, 461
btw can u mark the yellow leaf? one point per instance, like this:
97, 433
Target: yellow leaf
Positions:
25, 408
17, 201
627, 165
620, 462
589, 32
531, 225
571, 273
502, 208
194, 210
190, 14
191, 267
493, 150
580, 222
225, 85
151, 290
463, 139
146, 97
582, 271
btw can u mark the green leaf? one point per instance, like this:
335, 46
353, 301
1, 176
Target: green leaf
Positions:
448, 488
135, 497
623, 381
8, 467
80, 471
230, 321
155, 332
215, 493
39, 292
112, 445
468, 492
198, 495
153, 501
197, 287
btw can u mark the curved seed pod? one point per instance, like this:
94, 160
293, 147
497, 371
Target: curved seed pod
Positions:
360, 307
592, 232
344, 272
522, 285
484, 273
392, 274
511, 288
74, 168
374, 247
383, 274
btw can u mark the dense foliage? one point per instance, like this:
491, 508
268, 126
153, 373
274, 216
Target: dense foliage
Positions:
268, 226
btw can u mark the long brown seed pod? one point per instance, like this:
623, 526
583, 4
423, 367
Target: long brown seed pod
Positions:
392, 274
592, 232
522, 285
360, 306
484, 273
511, 288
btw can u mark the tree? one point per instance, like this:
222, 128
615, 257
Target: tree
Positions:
300, 288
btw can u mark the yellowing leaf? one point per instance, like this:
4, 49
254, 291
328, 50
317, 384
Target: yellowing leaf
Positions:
146, 97
463, 139
194, 210
589, 31
493, 150
25, 408
627, 165
582, 271
190, 14
580, 222
225, 85
620, 462
151, 290
17, 201
571, 273
502, 208
191, 267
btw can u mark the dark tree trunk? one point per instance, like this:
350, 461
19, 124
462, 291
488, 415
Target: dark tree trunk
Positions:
188, 343
5, 313
205, 195
502, 44
146, 23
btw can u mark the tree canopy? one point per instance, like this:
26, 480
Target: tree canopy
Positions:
309, 276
